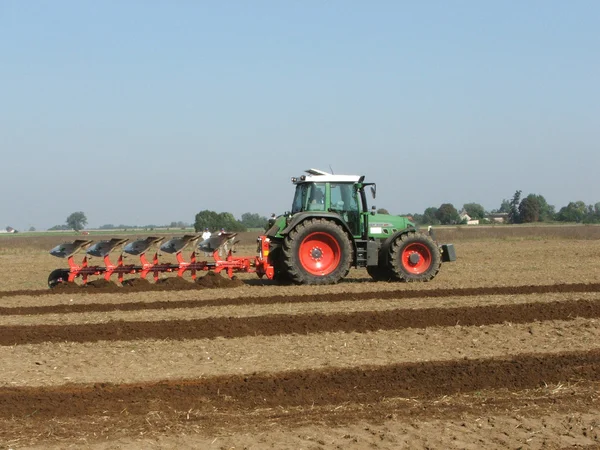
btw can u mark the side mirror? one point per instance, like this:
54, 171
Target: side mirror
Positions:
374, 190
373, 210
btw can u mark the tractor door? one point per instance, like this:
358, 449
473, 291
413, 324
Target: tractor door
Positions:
345, 202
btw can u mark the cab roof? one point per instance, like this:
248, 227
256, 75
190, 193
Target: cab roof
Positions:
320, 176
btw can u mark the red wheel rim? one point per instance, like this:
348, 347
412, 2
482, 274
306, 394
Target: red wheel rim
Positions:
416, 258
320, 253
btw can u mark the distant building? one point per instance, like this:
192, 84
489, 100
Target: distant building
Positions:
9, 230
497, 217
464, 217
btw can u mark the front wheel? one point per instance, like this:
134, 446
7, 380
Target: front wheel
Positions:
414, 257
317, 251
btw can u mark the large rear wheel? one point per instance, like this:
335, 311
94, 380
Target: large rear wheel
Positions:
414, 257
317, 251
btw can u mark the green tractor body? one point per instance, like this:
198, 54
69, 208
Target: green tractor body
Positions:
331, 229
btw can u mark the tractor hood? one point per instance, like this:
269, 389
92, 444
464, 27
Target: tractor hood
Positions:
383, 225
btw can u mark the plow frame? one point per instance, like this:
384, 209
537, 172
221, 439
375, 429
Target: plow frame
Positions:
230, 264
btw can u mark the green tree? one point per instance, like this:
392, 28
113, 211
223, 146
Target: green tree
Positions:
227, 221
447, 214
178, 224
382, 211
513, 212
215, 221
573, 212
77, 221
474, 210
595, 213
59, 228
529, 209
416, 218
546, 211
253, 220
430, 216
206, 219
504, 207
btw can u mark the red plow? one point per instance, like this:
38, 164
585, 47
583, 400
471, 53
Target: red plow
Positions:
220, 247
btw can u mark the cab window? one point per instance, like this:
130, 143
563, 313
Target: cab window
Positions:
344, 201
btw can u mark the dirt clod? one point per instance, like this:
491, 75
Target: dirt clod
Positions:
106, 286
65, 287
215, 280
175, 282
136, 284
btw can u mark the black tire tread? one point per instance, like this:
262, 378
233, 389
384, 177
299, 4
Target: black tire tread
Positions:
395, 264
290, 252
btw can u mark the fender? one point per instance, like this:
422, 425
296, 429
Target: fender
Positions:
302, 216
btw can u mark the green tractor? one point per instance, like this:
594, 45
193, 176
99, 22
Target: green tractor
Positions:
330, 229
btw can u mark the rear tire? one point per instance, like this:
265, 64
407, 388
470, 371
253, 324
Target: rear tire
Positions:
58, 276
317, 251
414, 257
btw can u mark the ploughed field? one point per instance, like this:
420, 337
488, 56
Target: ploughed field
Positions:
500, 350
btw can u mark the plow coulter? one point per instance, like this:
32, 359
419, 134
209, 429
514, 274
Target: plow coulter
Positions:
220, 247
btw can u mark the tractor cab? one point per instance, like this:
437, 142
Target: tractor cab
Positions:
342, 197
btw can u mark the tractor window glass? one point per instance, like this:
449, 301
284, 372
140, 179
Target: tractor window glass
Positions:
344, 201
299, 198
343, 197
316, 196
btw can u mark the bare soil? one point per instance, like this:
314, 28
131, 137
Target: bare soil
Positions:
501, 350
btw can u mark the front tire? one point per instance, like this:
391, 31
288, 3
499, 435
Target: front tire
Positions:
317, 251
414, 257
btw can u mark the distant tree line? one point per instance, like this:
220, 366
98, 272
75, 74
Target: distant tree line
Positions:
215, 221
110, 226
204, 219
530, 209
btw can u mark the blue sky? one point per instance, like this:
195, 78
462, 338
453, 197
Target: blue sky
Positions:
145, 112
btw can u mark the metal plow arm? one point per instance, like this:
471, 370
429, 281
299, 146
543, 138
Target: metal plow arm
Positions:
68, 249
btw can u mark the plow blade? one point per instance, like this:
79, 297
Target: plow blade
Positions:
213, 243
176, 245
102, 248
221, 244
140, 246
69, 248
